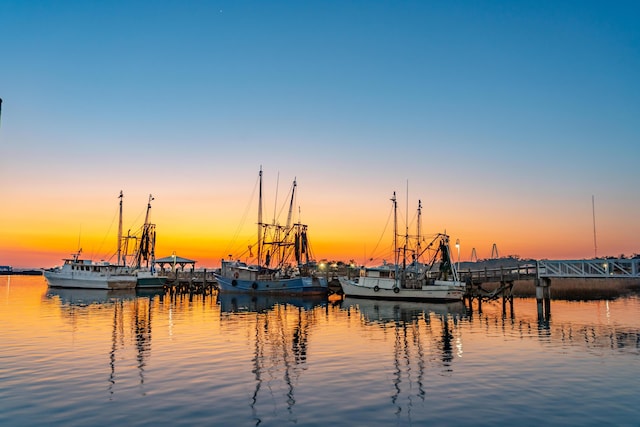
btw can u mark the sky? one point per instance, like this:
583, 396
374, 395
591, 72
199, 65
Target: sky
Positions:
516, 124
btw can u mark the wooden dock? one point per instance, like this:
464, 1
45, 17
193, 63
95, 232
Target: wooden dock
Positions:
196, 282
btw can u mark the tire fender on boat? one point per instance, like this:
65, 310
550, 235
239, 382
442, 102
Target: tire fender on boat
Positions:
396, 289
376, 288
254, 285
236, 275
234, 282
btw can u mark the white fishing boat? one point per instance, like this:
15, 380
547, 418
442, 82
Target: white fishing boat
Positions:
283, 265
87, 274
434, 280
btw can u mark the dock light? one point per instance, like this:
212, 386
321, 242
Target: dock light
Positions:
458, 248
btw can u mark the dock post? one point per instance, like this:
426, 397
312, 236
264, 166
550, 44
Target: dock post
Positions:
547, 297
543, 298
507, 296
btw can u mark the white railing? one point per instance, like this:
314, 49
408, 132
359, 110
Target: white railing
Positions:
609, 268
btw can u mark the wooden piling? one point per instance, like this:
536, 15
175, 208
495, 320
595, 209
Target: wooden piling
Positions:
543, 298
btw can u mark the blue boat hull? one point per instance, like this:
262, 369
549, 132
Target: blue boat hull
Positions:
292, 286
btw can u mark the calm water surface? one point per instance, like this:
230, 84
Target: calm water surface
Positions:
91, 358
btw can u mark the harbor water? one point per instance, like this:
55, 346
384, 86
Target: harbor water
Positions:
99, 358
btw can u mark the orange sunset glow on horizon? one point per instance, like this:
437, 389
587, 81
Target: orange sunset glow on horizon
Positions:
208, 233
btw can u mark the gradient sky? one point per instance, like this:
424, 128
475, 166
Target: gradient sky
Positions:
504, 118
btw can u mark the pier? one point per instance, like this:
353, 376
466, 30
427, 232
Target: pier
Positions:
195, 282
502, 279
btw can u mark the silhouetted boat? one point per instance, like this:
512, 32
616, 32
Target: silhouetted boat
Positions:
83, 273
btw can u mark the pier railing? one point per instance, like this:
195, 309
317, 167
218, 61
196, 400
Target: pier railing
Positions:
613, 268
595, 268
499, 274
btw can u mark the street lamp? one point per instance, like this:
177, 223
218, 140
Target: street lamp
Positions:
458, 248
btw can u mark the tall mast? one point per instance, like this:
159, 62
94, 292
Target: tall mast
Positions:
120, 230
293, 193
146, 218
406, 230
395, 235
260, 220
287, 231
595, 243
418, 231
146, 246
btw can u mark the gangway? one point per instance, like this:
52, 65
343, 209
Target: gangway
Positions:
593, 268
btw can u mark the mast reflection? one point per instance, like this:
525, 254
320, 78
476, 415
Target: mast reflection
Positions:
281, 327
416, 331
137, 324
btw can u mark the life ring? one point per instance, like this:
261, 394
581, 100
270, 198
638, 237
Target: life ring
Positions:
236, 275
376, 288
396, 289
234, 282
254, 285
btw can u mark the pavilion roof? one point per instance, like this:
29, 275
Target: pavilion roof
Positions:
177, 259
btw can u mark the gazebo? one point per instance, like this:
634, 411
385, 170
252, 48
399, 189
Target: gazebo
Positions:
173, 260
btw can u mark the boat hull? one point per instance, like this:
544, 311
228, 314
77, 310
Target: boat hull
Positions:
148, 280
433, 292
151, 282
62, 280
291, 286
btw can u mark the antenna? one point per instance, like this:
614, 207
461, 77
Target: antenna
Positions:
593, 209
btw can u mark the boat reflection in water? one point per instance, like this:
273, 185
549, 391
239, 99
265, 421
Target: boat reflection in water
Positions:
425, 337
280, 327
80, 296
130, 323
381, 311
241, 303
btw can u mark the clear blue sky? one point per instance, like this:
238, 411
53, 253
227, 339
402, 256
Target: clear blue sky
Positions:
501, 115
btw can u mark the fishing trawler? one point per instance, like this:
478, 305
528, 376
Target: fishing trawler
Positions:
88, 274
435, 280
283, 265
